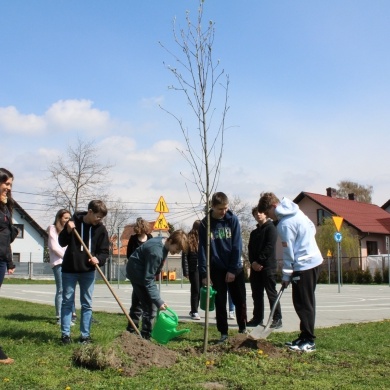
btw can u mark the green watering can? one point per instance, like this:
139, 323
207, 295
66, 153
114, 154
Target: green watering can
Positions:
164, 328
203, 298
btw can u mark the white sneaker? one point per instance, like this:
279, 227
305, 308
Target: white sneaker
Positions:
231, 315
194, 316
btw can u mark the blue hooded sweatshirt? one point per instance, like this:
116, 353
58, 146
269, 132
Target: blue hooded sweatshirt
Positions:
225, 244
297, 232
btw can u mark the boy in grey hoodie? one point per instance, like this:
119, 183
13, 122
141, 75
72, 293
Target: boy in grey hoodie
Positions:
301, 261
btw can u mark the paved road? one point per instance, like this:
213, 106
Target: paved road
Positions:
354, 303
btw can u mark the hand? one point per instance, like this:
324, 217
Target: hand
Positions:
256, 266
70, 226
229, 277
285, 283
11, 271
163, 306
204, 282
94, 261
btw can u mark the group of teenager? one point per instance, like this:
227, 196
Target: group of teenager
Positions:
73, 265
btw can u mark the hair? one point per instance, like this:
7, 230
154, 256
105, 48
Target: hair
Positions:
60, 214
97, 206
193, 237
142, 226
179, 238
5, 174
267, 199
219, 198
255, 210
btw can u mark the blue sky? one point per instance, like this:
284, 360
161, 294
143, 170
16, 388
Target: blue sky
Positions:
309, 95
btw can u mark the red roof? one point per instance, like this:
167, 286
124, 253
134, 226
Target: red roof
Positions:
366, 217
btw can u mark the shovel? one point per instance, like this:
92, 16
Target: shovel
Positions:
76, 233
261, 331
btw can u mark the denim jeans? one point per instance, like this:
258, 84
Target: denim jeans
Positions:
58, 297
86, 282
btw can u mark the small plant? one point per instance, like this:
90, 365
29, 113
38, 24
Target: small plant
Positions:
378, 279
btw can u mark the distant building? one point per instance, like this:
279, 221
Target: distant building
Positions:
30, 243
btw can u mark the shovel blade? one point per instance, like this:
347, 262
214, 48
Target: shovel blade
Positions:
260, 332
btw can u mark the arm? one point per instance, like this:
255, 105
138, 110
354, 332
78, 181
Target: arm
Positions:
53, 243
184, 264
235, 262
202, 258
102, 249
268, 247
288, 240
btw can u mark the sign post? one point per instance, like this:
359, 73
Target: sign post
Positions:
338, 221
328, 255
162, 224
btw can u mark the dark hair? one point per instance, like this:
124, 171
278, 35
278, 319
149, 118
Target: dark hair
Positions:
5, 174
59, 215
255, 210
97, 206
219, 198
179, 238
193, 237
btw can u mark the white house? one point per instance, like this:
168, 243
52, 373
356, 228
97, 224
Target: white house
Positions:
30, 243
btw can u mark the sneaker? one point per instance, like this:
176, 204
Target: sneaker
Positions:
231, 315
58, 321
85, 340
65, 339
243, 331
293, 343
303, 346
276, 324
73, 321
253, 323
145, 335
194, 316
223, 339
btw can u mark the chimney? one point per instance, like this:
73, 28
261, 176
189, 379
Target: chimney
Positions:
331, 192
351, 196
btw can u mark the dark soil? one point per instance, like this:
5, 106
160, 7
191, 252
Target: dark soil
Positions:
143, 354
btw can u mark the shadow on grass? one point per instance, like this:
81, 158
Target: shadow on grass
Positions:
27, 317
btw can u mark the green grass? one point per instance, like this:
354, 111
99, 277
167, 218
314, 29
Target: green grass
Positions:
352, 356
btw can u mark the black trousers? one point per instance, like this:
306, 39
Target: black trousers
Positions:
238, 294
303, 295
260, 281
195, 281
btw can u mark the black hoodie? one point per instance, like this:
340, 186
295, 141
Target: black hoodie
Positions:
95, 238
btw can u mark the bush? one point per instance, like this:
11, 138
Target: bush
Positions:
386, 275
378, 279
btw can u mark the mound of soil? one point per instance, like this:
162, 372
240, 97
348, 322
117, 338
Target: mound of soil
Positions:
145, 354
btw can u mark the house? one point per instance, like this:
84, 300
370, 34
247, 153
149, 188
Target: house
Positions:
30, 243
369, 222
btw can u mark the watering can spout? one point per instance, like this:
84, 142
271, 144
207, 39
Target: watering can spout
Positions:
177, 333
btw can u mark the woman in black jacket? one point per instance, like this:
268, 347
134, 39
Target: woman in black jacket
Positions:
190, 268
8, 233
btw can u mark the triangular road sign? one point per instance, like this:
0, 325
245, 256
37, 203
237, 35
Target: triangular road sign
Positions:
338, 221
161, 206
161, 223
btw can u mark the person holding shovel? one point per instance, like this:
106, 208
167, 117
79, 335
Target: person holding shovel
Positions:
144, 264
301, 261
79, 267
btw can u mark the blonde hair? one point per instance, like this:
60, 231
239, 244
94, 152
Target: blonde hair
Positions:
142, 226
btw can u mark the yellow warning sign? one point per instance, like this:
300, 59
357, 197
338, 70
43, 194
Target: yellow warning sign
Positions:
161, 223
329, 254
338, 221
161, 206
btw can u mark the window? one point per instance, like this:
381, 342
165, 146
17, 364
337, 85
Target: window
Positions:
372, 248
20, 227
321, 215
16, 257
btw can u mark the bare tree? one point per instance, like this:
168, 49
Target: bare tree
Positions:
201, 82
78, 177
362, 193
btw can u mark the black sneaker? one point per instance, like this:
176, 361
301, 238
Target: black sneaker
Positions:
303, 346
65, 339
145, 335
223, 339
85, 340
293, 343
253, 323
243, 331
276, 324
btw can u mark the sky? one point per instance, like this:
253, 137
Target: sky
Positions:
309, 97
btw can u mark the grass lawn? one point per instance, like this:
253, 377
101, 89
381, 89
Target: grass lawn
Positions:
352, 356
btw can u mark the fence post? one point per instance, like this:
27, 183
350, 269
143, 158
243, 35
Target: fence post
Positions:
30, 270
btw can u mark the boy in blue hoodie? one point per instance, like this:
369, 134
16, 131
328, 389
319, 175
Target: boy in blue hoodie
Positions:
226, 268
301, 261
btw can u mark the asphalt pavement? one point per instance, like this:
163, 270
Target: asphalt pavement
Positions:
352, 304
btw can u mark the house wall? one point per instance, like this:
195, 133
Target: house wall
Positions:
31, 246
